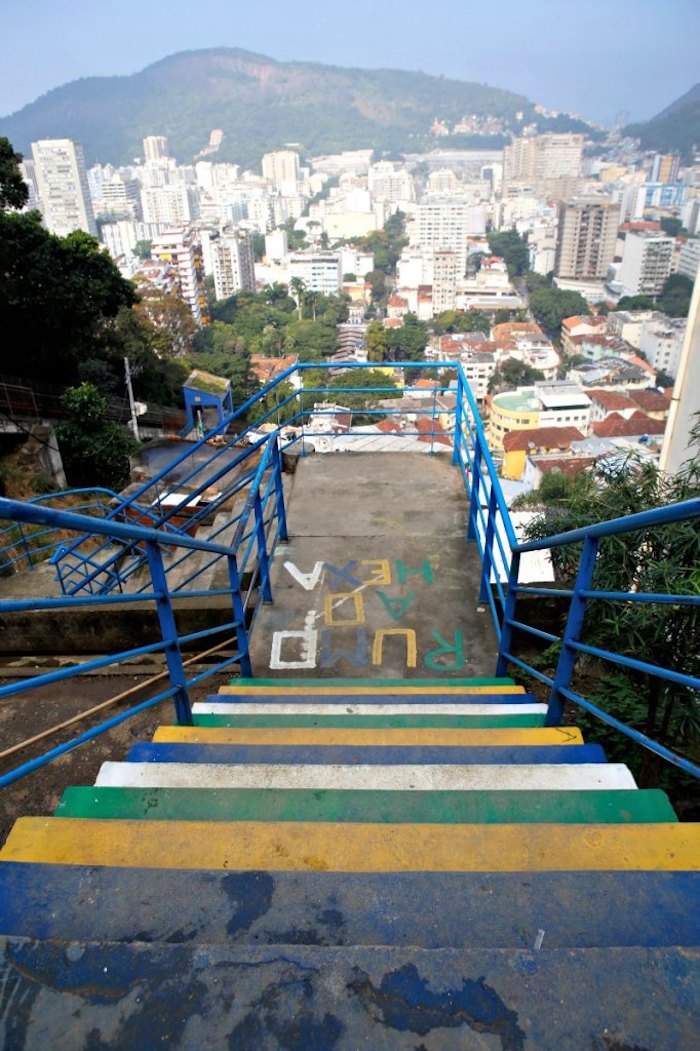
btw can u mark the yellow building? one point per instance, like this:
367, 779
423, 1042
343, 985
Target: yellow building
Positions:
518, 445
512, 411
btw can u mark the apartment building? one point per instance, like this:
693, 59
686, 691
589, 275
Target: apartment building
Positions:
62, 185
647, 260
183, 252
586, 237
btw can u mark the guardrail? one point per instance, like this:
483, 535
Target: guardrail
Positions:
246, 558
450, 419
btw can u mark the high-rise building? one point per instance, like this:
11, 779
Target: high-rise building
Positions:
586, 237
169, 206
647, 259
320, 271
281, 168
182, 251
444, 224
61, 180
155, 148
232, 263
665, 168
444, 280
542, 158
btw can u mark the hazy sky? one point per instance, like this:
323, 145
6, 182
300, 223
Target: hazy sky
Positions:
597, 57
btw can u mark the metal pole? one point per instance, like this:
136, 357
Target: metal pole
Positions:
132, 407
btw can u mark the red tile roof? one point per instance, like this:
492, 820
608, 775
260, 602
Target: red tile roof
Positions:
541, 438
614, 400
615, 426
650, 400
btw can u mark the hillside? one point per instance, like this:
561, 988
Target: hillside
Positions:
259, 103
675, 130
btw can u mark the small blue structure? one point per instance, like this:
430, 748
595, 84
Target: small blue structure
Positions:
203, 392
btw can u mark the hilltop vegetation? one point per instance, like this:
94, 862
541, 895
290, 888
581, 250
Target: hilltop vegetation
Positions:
259, 103
675, 130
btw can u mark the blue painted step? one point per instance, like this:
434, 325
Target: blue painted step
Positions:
312, 998
379, 755
489, 910
350, 699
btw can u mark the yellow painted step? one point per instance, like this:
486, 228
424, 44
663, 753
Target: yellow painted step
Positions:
319, 846
427, 736
342, 691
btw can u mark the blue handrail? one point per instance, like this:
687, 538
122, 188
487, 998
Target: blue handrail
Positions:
266, 502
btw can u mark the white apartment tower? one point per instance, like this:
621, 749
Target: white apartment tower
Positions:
180, 249
61, 180
586, 238
281, 168
155, 148
232, 264
443, 224
647, 260
444, 280
543, 157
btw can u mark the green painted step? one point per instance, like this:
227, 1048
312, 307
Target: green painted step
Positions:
338, 805
366, 681
371, 722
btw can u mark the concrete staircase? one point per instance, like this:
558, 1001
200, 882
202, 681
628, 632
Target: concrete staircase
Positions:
342, 863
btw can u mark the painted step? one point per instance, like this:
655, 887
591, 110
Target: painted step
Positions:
365, 687
370, 721
364, 681
373, 709
356, 737
352, 699
357, 776
377, 755
304, 997
430, 910
357, 847
475, 807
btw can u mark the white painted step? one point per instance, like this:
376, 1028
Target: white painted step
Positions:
218, 708
445, 777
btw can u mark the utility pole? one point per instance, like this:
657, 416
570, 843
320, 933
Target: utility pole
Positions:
132, 406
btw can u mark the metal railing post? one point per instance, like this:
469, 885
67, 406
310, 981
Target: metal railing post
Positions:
572, 632
474, 495
263, 557
506, 640
25, 545
242, 638
487, 562
168, 629
457, 444
279, 491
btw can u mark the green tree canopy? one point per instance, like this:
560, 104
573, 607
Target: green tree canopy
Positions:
95, 451
513, 248
13, 189
511, 374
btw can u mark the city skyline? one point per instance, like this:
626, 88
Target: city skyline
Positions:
646, 55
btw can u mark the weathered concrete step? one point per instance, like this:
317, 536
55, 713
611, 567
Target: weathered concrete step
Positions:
317, 998
357, 776
432, 910
357, 847
365, 688
343, 710
476, 807
352, 700
353, 719
356, 737
369, 755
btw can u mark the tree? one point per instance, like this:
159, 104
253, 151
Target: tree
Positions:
13, 189
94, 450
672, 225
375, 338
297, 288
551, 305
461, 321
172, 319
659, 559
512, 248
675, 296
408, 342
142, 249
511, 374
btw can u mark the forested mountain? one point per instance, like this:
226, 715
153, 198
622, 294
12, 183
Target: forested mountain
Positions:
259, 103
675, 130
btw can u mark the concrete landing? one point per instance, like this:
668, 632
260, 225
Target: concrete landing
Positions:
377, 578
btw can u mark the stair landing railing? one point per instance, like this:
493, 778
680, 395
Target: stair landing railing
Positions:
260, 527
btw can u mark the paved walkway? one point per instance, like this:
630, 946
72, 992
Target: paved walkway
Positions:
377, 578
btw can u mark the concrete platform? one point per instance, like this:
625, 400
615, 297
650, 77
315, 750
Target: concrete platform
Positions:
377, 578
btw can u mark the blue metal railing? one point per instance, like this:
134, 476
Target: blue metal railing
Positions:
451, 415
245, 557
